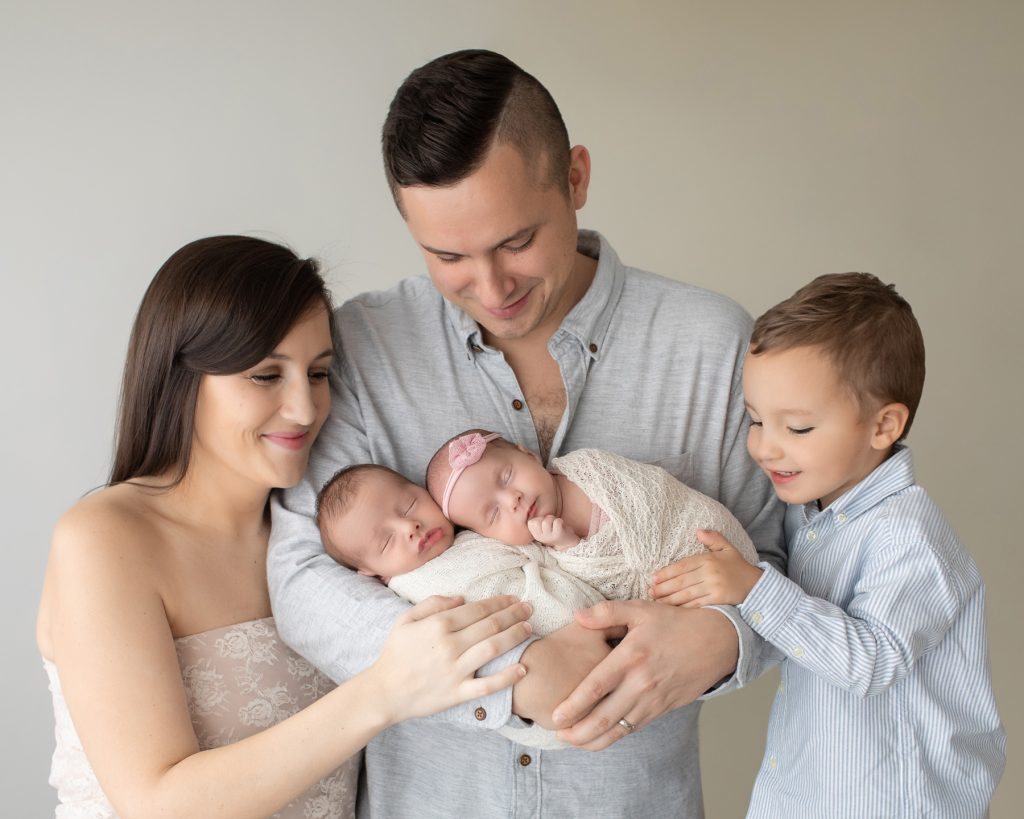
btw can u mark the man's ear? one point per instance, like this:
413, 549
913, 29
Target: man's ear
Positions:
579, 175
889, 422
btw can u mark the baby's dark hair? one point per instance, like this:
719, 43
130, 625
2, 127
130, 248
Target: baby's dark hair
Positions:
863, 326
336, 497
438, 467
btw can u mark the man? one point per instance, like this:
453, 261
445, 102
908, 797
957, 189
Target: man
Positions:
532, 328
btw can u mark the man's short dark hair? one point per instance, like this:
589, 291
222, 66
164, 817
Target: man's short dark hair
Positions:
863, 326
447, 114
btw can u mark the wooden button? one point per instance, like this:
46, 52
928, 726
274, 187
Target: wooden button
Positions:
525, 760
592, 347
480, 714
477, 348
517, 404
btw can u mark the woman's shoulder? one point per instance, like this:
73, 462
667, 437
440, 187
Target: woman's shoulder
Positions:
117, 524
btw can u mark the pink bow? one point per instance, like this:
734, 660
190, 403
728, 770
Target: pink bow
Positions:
463, 452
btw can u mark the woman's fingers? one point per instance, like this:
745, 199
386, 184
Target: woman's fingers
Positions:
428, 607
463, 616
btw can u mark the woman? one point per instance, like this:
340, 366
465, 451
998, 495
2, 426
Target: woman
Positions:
155, 622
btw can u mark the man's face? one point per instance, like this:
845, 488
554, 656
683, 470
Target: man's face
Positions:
501, 244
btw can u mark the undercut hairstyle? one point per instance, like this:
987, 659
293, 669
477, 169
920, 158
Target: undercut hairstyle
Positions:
865, 329
217, 306
447, 114
336, 498
438, 467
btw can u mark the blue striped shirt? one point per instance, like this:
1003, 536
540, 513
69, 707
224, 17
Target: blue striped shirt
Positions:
885, 707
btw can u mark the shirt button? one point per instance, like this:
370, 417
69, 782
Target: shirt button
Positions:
592, 347
525, 760
773, 763
812, 535
480, 714
798, 651
477, 348
841, 517
517, 404
758, 618
782, 688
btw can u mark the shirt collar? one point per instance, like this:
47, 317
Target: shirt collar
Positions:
588, 321
893, 475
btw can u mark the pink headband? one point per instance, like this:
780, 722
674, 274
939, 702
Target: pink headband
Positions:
463, 452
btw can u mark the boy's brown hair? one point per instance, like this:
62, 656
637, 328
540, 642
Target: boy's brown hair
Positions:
863, 326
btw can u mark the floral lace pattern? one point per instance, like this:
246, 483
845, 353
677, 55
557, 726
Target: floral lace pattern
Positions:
238, 680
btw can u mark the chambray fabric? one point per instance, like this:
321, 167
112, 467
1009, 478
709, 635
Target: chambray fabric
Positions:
885, 707
651, 369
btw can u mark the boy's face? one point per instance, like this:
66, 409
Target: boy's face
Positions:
505, 488
392, 527
806, 430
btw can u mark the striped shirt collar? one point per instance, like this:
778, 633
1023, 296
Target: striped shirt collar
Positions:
588, 321
893, 475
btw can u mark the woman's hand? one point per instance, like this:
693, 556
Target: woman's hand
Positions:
430, 658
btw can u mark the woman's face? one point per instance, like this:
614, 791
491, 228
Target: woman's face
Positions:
257, 426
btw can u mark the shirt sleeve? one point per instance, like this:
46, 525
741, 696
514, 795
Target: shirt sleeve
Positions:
337, 618
903, 603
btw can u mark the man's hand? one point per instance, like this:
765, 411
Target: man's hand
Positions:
668, 658
552, 531
720, 577
555, 665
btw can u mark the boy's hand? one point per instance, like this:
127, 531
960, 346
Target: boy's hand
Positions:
720, 577
552, 531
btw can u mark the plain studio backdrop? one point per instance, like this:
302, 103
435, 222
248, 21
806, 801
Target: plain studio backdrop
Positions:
743, 146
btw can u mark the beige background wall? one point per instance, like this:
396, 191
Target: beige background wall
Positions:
744, 146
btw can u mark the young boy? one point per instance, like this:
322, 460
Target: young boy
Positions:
886, 705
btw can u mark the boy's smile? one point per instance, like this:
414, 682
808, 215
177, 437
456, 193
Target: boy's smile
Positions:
807, 431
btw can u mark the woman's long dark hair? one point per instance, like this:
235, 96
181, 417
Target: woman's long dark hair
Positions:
218, 305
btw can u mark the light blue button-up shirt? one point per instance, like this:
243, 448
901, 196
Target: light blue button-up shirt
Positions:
651, 369
885, 707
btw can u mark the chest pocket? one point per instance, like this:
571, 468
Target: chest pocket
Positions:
678, 466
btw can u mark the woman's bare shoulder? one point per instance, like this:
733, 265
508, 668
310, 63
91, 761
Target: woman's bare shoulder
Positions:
115, 523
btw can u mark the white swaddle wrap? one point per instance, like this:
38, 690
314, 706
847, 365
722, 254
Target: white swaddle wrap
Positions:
652, 520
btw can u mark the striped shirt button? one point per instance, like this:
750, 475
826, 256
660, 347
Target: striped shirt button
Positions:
812, 535
841, 518
773, 763
781, 688
758, 618
798, 651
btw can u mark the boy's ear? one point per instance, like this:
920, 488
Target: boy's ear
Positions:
889, 423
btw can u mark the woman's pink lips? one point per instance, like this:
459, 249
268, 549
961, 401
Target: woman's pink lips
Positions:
512, 309
430, 538
294, 440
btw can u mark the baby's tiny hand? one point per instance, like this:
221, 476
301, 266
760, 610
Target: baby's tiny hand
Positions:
552, 531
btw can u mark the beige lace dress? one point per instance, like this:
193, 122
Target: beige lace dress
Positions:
239, 680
